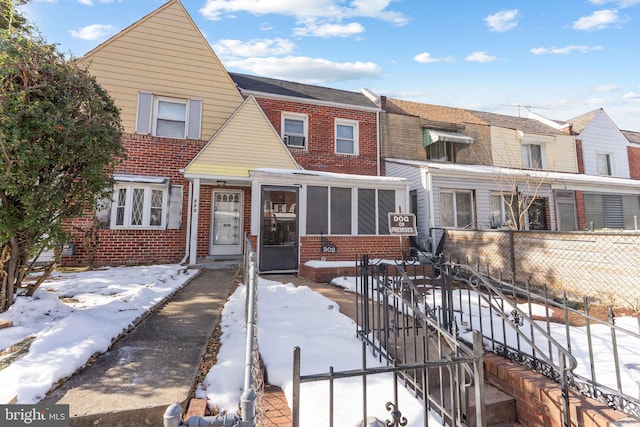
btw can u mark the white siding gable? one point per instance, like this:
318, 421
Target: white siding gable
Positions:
602, 136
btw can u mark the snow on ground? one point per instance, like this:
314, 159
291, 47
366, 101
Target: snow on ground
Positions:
74, 316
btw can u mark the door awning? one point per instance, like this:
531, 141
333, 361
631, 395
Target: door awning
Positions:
431, 136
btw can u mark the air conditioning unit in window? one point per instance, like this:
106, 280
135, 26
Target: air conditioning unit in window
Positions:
294, 140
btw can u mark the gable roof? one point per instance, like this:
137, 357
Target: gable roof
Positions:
164, 53
245, 142
582, 121
523, 124
282, 88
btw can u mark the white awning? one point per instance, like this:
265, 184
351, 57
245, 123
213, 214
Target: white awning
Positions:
142, 179
433, 136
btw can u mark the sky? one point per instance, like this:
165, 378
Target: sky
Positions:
68, 318
559, 59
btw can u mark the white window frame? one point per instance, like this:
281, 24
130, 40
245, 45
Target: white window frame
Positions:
156, 102
355, 125
609, 158
455, 194
146, 211
305, 133
505, 212
526, 155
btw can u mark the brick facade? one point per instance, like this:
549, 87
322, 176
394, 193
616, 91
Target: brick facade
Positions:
320, 153
539, 399
150, 156
633, 153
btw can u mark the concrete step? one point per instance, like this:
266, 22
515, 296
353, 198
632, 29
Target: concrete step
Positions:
500, 408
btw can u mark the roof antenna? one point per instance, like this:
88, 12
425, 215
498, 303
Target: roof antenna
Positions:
528, 107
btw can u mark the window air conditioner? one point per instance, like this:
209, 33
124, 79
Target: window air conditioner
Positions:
294, 140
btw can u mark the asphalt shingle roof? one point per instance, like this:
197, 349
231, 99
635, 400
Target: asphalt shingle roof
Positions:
300, 90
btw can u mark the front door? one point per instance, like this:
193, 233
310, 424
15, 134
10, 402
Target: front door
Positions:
279, 229
226, 222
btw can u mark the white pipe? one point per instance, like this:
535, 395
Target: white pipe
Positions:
187, 244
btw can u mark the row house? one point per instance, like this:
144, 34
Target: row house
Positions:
472, 169
213, 157
603, 151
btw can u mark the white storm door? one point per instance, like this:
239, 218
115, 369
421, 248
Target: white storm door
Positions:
226, 222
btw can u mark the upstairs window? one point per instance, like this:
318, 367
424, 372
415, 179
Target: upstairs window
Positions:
605, 164
168, 117
346, 132
441, 151
532, 156
294, 130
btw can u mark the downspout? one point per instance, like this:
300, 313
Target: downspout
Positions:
378, 151
432, 212
187, 244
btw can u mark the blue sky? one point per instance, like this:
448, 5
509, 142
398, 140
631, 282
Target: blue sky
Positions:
560, 58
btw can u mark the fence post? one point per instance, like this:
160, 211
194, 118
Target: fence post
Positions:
248, 398
478, 380
512, 254
295, 411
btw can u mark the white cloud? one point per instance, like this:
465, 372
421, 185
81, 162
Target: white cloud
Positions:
631, 95
504, 20
610, 87
480, 56
307, 70
621, 3
426, 58
309, 10
599, 20
564, 50
259, 48
329, 30
91, 32
90, 2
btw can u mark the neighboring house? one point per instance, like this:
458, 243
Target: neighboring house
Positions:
325, 129
206, 165
472, 169
602, 151
633, 152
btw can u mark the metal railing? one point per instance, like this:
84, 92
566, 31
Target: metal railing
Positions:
401, 327
549, 344
253, 378
252, 374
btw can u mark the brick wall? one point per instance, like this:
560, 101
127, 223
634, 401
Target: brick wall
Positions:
152, 157
348, 248
320, 154
633, 153
539, 399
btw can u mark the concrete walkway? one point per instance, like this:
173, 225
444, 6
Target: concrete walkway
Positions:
153, 366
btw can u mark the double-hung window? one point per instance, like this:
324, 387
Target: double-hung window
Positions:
170, 118
167, 117
456, 208
346, 132
294, 130
532, 156
139, 205
504, 211
442, 151
605, 164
